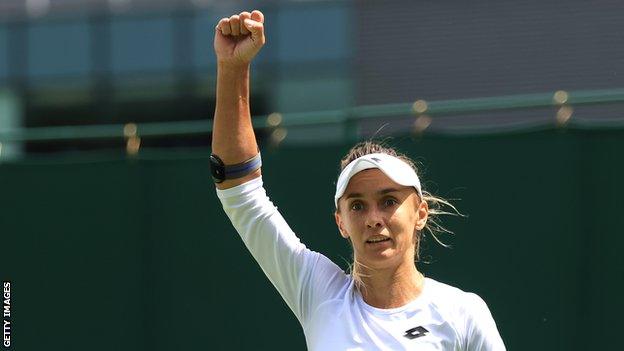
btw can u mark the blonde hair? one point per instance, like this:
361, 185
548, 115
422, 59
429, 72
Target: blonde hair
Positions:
438, 206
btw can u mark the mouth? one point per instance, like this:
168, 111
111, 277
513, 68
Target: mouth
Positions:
377, 239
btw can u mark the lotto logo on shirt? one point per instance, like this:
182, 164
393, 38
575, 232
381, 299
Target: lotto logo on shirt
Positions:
415, 332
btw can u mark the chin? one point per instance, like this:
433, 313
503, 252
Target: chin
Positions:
385, 259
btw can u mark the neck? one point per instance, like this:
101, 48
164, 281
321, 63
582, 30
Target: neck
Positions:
391, 287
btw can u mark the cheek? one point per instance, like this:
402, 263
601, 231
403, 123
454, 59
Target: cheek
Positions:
403, 222
351, 223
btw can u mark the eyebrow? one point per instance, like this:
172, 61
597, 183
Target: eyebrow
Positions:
380, 192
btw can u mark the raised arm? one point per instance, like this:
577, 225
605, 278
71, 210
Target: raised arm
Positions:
237, 40
289, 265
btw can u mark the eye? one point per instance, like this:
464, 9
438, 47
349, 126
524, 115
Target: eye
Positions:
356, 206
389, 202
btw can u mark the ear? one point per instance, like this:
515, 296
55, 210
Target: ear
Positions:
423, 214
343, 233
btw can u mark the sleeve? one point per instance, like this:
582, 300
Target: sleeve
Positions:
481, 331
294, 270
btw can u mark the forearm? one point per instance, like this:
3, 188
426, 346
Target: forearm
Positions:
233, 138
237, 40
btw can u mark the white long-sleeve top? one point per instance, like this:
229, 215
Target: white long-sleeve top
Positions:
331, 310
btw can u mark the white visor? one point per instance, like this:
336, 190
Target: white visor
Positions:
397, 170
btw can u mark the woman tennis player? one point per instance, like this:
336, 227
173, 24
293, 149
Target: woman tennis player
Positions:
385, 303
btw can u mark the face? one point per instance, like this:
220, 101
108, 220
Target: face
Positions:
381, 218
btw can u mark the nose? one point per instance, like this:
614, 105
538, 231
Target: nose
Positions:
374, 219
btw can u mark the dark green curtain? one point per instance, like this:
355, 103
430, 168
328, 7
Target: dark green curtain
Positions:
109, 253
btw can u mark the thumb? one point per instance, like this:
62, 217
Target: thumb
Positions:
256, 29
257, 16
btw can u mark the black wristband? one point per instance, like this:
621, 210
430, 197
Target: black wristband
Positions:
221, 172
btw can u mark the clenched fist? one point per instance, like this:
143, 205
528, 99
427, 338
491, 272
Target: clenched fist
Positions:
239, 38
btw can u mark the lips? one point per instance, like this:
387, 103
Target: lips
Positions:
377, 239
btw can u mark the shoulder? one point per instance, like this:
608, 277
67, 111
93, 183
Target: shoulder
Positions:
447, 297
468, 313
451, 298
